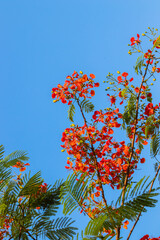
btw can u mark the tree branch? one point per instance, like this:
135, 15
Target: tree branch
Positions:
94, 154
132, 146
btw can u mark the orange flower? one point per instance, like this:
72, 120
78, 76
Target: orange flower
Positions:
96, 84
92, 75
22, 169
136, 90
125, 167
125, 74
97, 194
126, 222
119, 78
144, 142
138, 151
92, 93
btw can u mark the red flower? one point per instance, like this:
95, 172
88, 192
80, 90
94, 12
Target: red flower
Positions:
144, 142
125, 74
145, 237
135, 41
119, 78
92, 75
136, 90
22, 169
142, 160
149, 56
96, 84
92, 93
112, 99
149, 95
149, 109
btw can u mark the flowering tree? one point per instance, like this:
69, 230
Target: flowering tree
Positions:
99, 157
27, 204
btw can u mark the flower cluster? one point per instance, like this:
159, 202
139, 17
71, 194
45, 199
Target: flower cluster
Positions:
112, 156
4, 231
146, 237
75, 86
149, 56
21, 166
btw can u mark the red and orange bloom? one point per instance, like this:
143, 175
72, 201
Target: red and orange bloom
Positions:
135, 41
92, 147
21, 166
75, 86
149, 56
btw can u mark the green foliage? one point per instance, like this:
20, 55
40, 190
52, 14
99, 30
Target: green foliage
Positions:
133, 189
107, 219
151, 127
155, 145
13, 158
6, 163
74, 192
157, 43
139, 64
129, 111
137, 199
71, 112
30, 207
60, 229
1, 152
87, 106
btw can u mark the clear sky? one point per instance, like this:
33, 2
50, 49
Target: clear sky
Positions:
44, 41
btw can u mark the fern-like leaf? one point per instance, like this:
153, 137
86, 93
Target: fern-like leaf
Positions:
13, 158
74, 192
155, 145
139, 64
87, 106
71, 112
1, 152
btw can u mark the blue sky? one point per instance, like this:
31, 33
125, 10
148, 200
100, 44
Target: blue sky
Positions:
44, 41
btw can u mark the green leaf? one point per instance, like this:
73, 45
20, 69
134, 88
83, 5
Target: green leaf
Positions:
139, 64
157, 43
130, 110
13, 158
87, 106
1, 152
155, 145
74, 192
71, 112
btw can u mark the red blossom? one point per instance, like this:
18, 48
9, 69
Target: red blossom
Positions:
136, 90
125, 74
112, 99
92, 76
74, 86
149, 56
135, 41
